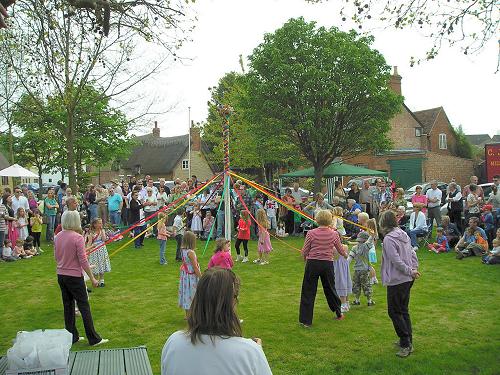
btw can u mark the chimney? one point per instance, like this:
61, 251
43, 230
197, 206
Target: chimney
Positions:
195, 138
395, 82
156, 130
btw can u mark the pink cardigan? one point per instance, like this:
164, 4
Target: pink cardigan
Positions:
320, 244
69, 251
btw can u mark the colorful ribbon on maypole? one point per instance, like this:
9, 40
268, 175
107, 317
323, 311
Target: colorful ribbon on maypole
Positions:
225, 112
213, 224
194, 191
256, 222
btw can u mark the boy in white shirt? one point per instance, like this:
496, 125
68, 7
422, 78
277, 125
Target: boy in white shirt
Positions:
271, 207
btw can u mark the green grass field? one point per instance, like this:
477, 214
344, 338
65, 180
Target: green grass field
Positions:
453, 308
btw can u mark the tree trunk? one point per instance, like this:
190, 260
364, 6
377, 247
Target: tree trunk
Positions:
318, 175
70, 141
11, 144
40, 195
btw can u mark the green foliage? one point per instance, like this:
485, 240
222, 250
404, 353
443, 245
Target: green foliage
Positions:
451, 306
255, 141
325, 89
464, 148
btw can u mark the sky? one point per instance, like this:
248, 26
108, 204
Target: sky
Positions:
465, 86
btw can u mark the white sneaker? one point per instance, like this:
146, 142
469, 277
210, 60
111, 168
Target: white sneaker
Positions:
245, 260
257, 261
344, 308
103, 341
238, 258
40, 250
264, 263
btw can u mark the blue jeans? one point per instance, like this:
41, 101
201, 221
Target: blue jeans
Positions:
115, 218
220, 223
93, 211
139, 240
51, 221
416, 233
163, 246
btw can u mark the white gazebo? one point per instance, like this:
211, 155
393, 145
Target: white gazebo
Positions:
15, 170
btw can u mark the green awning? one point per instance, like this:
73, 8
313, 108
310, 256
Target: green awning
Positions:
337, 170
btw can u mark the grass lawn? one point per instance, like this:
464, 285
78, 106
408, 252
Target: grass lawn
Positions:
453, 308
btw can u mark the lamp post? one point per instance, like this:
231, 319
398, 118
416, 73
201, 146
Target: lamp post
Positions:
189, 143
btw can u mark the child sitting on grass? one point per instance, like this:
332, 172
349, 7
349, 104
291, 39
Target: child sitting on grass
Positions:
361, 278
493, 256
18, 250
222, 255
441, 245
7, 253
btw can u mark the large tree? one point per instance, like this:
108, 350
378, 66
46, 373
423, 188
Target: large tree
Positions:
67, 52
466, 24
327, 89
252, 145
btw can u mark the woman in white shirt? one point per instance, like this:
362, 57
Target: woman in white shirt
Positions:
418, 225
212, 343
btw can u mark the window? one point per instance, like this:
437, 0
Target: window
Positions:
418, 132
442, 142
5, 180
185, 164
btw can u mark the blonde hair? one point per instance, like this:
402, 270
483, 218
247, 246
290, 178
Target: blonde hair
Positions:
19, 242
338, 211
363, 216
70, 220
189, 240
324, 218
220, 243
162, 215
371, 224
94, 222
262, 218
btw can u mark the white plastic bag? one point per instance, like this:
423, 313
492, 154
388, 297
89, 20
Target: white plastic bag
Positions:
47, 349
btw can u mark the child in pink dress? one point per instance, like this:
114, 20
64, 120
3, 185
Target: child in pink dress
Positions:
222, 256
264, 246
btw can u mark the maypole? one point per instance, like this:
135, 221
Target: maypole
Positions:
225, 111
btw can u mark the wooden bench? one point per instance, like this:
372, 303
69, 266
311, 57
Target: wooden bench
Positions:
128, 361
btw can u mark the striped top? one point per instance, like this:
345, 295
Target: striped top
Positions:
320, 242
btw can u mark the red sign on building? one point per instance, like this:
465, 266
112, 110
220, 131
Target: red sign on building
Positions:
492, 156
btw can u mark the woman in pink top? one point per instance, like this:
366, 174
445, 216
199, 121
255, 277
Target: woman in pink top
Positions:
222, 256
419, 198
318, 253
71, 259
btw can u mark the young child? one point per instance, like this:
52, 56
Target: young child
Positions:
441, 245
343, 282
36, 222
493, 256
371, 224
361, 278
281, 232
338, 222
208, 221
270, 207
196, 223
179, 220
162, 236
488, 222
18, 250
244, 225
264, 247
190, 271
28, 246
222, 255
7, 253
22, 223
95, 237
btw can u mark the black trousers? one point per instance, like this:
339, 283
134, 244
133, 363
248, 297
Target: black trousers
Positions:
314, 270
178, 255
245, 246
36, 238
398, 298
74, 289
456, 217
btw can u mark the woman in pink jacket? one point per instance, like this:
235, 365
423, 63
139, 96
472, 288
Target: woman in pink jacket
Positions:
71, 259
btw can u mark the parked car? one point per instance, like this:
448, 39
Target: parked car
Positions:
47, 186
169, 184
34, 187
426, 186
359, 182
306, 194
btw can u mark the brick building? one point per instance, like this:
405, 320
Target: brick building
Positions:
423, 147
